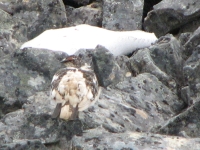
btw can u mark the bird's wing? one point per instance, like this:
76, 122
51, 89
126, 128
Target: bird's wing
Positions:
57, 93
92, 89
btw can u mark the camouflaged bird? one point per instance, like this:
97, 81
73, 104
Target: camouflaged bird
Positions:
74, 89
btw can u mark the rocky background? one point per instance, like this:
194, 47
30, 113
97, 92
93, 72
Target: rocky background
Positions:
150, 100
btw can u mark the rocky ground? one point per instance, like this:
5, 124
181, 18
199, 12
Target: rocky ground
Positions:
150, 99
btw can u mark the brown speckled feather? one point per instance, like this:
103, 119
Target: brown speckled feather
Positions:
76, 89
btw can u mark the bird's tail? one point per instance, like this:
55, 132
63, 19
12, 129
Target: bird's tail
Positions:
68, 112
57, 111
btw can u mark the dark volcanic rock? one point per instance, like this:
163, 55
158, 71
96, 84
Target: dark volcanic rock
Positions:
34, 122
185, 124
184, 37
24, 145
163, 59
99, 139
11, 35
166, 54
90, 14
105, 67
191, 69
122, 15
25, 73
40, 15
135, 104
169, 15
192, 44
76, 2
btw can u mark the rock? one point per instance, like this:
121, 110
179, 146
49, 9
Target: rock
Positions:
7, 8
192, 44
184, 37
90, 14
189, 27
29, 71
10, 34
190, 92
34, 122
99, 139
191, 76
188, 121
40, 16
142, 62
105, 67
163, 59
166, 54
24, 145
186, 95
122, 15
169, 15
134, 104
76, 2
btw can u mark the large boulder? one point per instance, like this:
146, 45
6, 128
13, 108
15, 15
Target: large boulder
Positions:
169, 15
90, 14
120, 15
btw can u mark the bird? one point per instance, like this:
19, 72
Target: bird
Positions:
83, 36
74, 89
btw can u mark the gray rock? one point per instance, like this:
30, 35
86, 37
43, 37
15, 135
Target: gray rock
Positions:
135, 104
188, 121
142, 62
40, 16
11, 36
90, 14
99, 139
34, 122
184, 37
29, 71
189, 27
169, 15
191, 72
122, 15
163, 59
166, 54
107, 70
24, 145
192, 44
186, 95
191, 68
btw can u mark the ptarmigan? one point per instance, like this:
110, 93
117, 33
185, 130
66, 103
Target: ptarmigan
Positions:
74, 89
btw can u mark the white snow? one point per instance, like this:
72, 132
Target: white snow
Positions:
71, 39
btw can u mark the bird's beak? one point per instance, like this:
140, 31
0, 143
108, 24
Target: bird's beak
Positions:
69, 58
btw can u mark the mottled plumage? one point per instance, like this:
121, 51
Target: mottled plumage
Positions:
74, 89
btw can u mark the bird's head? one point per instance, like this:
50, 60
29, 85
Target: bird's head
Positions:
75, 61
71, 61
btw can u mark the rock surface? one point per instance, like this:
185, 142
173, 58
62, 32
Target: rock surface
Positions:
146, 97
90, 14
169, 15
115, 14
